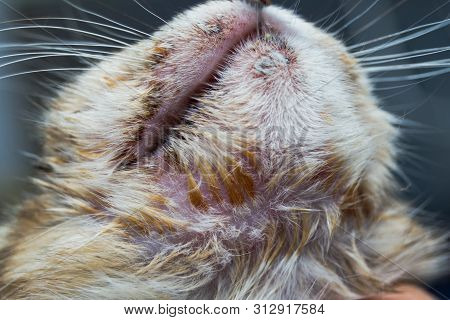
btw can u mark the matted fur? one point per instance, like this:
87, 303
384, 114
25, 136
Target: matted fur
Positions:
275, 184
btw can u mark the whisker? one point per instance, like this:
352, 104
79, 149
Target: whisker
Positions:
64, 44
58, 39
80, 53
422, 65
74, 19
431, 13
433, 26
69, 44
128, 17
408, 85
66, 29
107, 19
38, 26
42, 71
39, 57
324, 20
149, 11
118, 35
411, 87
412, 77
28, 54
413, 157
426, 100
118, 56
413, 26
294, 6
72, 48
357, 17
402, 56
345, 15
374, 21
407, 124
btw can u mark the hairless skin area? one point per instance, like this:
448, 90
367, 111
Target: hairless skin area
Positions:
238, 152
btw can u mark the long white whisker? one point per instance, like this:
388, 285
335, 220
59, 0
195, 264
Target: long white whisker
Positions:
413, 26
65, 44
400, 86
296, 5
118, 56
345, 26
107, 19
411, 124
128, 17
117, 34
55, 37
152, 13
78, 52
408, 85
415, 106
65, 48
432, 27
431, 13
423, 65
374, 21
36, 25
39, 57
47, 31
43, 55
402, 56
322, 21
77, 20
36, 53
66, 29
24, 54
426, 16
345, 15
412, 77
42, 70
405, 39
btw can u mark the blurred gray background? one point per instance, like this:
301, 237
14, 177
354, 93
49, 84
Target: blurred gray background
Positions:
425, 161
